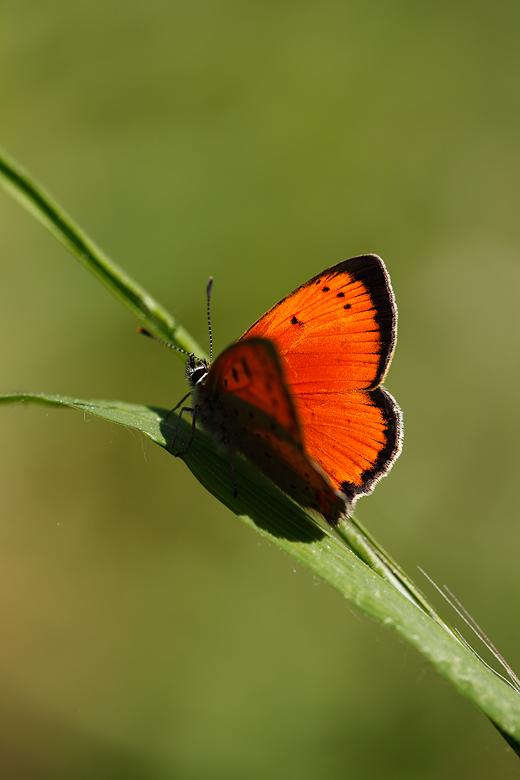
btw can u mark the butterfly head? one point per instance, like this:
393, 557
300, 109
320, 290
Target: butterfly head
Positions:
196, 370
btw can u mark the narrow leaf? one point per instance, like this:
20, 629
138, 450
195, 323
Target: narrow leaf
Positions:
285, 525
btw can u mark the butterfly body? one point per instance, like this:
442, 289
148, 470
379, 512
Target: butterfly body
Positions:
299, 393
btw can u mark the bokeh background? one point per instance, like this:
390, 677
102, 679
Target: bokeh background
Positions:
145, 632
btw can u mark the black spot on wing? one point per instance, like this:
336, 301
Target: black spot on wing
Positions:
245, 367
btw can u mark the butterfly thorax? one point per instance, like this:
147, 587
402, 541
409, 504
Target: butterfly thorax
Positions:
204, 407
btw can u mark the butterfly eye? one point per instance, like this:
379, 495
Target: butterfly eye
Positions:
196, 370
198, 375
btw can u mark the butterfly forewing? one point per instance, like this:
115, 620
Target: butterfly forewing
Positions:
341, 322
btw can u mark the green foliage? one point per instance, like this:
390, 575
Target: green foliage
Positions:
146, 633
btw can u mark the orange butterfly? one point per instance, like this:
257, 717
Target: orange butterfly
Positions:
299, 393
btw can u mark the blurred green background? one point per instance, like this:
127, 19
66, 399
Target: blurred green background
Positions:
145, 632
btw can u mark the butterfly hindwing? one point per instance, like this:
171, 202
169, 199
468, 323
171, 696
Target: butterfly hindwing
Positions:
245, 403
356, 443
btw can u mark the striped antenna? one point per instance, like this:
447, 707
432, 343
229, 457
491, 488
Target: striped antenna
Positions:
208, 295
161, 341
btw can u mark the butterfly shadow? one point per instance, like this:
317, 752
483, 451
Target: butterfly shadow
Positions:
258, 500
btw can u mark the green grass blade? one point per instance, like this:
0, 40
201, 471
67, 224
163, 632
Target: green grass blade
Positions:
285, 525
32, 196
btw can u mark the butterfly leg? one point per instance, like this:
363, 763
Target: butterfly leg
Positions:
176, 407
233, 475
193, 425
172, 442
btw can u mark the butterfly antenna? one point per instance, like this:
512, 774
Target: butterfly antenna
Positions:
161, 341
208, 295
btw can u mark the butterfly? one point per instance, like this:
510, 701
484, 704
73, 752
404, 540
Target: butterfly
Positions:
299, 394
